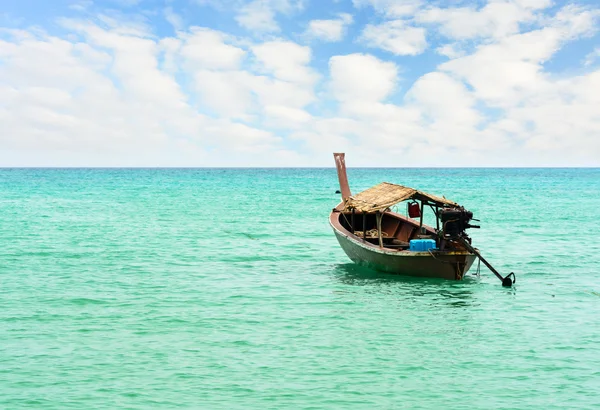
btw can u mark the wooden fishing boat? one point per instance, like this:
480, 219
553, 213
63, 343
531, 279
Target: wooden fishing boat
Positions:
374, 236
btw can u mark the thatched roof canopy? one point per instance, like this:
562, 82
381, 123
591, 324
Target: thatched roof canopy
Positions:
384, 195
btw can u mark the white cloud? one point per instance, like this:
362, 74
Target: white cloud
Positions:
118, 23
280, 116
322, 144
450, 50
281, 77
240, 137
544, 121
108, 103
576, 21
395, 36
170, 48
286, 60
513, 66
496, 19
81, 5
225, 93
173, 18
79, 123
562, 123
592, 57
448, 114
444, 99
259, 15
361, 77
534, 4
329, 30
208, 49
271, 91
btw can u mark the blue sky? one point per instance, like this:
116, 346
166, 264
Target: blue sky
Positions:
287, 82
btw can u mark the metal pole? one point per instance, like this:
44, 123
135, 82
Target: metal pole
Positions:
379, 217
421, 220
507, 281
364, 226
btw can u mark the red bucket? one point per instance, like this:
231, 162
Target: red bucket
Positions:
413, 210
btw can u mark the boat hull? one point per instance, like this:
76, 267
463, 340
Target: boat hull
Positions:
445, 265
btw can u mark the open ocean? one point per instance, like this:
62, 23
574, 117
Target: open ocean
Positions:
226, 288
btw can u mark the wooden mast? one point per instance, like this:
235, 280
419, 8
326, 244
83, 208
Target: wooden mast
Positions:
340, 164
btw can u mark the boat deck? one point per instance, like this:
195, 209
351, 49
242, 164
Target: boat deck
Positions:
396, 230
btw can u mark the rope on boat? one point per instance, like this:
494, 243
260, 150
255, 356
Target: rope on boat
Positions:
459, 275
347, 221
439, 260
372, 233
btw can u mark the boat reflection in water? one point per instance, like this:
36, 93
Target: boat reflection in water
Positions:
405, 290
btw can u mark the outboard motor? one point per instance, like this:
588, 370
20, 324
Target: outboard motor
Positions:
455, 221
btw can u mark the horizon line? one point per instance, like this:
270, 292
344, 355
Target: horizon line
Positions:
299, 167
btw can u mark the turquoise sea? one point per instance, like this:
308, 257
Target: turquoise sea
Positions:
225, 288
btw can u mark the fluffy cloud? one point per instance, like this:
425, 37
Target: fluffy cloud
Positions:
450, 50
444, 99
108, 100
207, 49
329, 30
592, 57
282, 117
395, 36
281, 77
361, 77
256, 15
495, 19
225, 93
68, 105
173, 18
259, 15
514, 64
286, 60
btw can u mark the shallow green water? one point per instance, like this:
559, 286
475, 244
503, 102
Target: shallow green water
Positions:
227, 289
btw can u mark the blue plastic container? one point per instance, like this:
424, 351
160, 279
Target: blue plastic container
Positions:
421, 245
